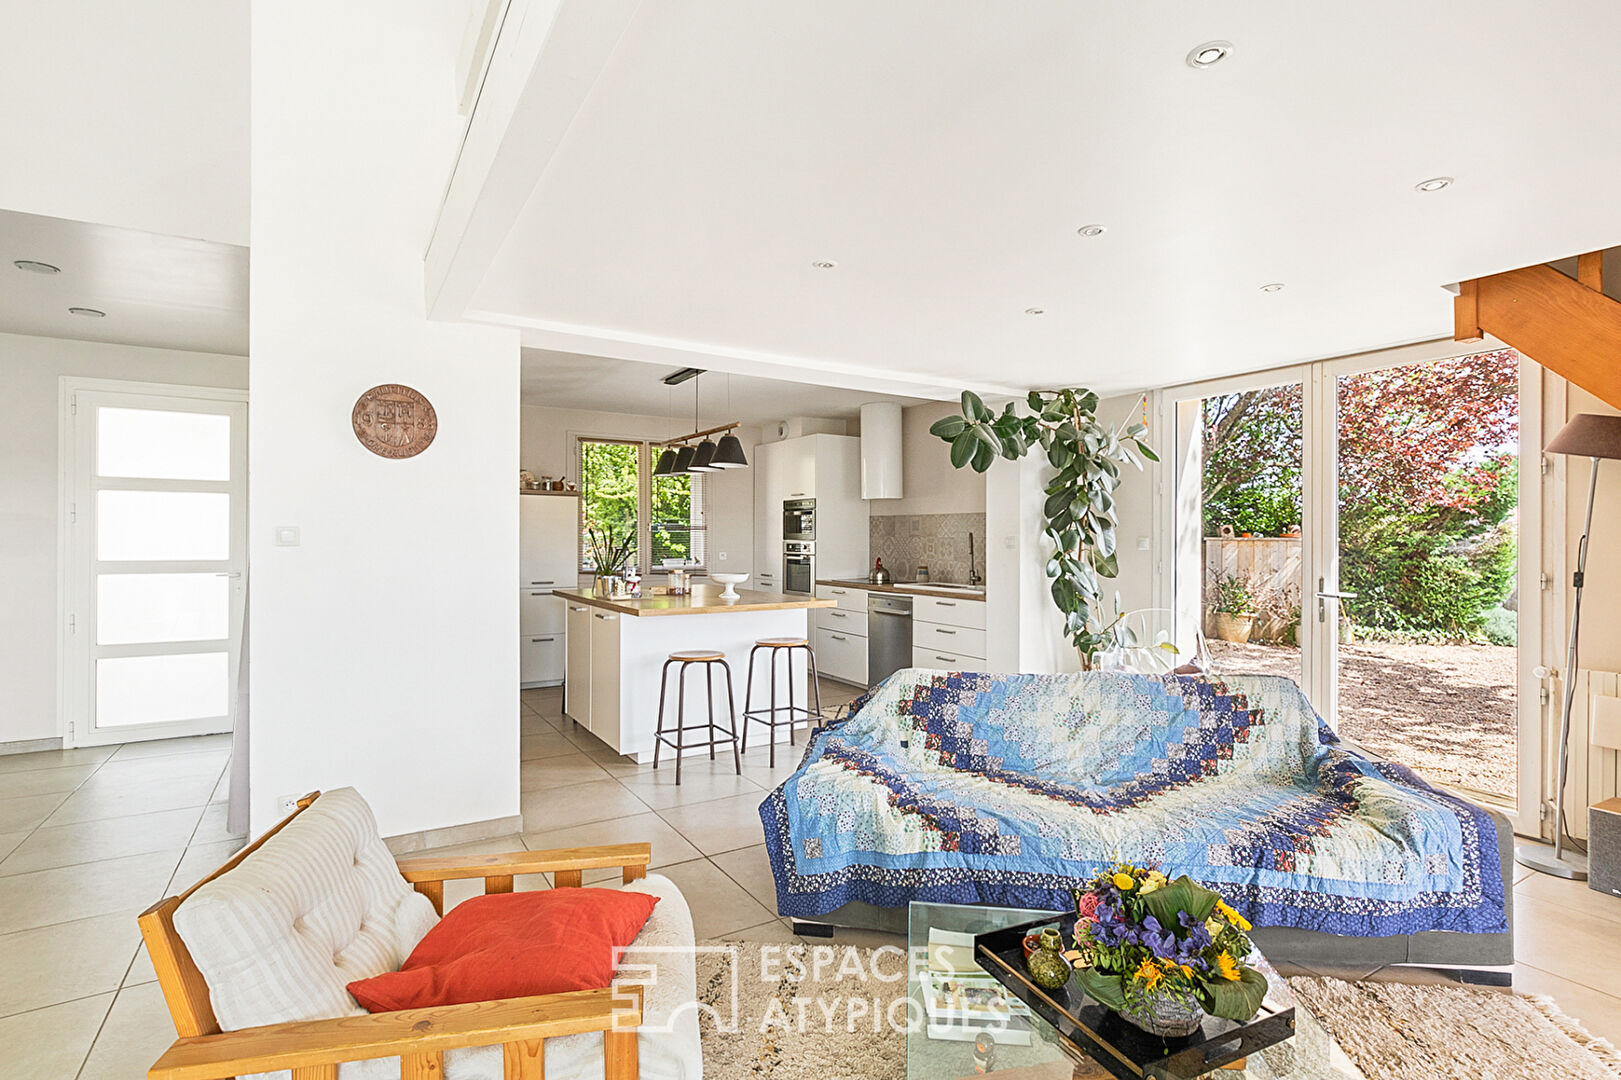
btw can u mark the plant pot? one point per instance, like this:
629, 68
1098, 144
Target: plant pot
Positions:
1233, 626
1166, 1017
608, 586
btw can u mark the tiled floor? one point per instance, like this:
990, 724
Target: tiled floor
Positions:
89, 838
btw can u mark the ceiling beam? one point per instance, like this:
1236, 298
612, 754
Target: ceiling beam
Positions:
548, 54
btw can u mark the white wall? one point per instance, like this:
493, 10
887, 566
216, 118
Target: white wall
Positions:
384, 649
132, 114
932, 485
30, 372
548, 449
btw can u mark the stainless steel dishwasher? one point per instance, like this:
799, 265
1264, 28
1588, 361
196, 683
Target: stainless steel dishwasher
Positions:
889, 635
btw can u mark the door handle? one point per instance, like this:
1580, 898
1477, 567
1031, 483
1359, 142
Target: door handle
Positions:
543, 583
945, 603
838, 637
943, 630
537, 640
233, 574
839, 614
605, 618
572, 608
947, 659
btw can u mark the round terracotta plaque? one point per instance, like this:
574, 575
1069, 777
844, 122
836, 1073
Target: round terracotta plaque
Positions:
394, 421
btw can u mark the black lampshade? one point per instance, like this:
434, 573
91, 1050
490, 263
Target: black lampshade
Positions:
682, 461
666, 464
729, 454
702, 457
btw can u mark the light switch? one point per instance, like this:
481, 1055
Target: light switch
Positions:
287, 536
1143, 544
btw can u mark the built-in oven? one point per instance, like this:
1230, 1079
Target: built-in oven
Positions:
799, 519
799, 567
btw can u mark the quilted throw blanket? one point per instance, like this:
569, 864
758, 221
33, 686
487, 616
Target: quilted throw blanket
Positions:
969, 788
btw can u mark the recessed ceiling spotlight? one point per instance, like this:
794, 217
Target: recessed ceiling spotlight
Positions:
1434, 183
1209, 54
34, 267
1276, 286
1035, 311
824, 264
87, 312
1091, 230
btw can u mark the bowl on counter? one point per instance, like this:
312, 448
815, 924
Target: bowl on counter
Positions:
731, 581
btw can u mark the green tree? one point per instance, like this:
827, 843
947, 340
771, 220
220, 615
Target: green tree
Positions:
609, 486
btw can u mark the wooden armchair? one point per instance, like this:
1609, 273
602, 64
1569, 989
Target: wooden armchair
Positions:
313, 1049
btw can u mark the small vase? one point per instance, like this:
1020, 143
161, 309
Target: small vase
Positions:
1166, 1017
1048, 969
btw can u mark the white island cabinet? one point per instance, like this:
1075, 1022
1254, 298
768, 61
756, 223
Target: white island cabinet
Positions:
615, 664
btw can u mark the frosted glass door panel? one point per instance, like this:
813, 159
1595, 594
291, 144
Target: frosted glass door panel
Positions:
161, 689
160, 445
134, 609
162, 525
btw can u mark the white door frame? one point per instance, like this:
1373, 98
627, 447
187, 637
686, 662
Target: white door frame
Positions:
1319, 536
74, 723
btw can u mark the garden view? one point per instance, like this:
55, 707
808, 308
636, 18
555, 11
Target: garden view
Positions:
1428, 498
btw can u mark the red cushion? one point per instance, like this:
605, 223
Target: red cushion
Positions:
513, 945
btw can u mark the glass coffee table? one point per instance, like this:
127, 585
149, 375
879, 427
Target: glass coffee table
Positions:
962, 1030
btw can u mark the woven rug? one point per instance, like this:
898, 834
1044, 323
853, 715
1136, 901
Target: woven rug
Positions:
831, 1011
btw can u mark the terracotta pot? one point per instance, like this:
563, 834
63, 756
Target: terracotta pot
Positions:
1233, 626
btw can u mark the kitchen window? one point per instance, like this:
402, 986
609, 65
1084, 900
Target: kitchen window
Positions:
619, 492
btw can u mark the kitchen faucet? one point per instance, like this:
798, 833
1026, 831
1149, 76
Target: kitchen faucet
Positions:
973, 577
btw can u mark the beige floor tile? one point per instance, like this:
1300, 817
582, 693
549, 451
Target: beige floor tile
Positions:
26, 812
199, 861
702, 780
750, 868
65, 845
136, 1033
577, 804
120, 771
96, 801
52, 964
669, 846
1600, 1013
222, 789
9, 842
1573, 895
43, 781
164, 747
109, 887
763, 775
214, 827
531, 723
141, 970
1567, 943
1521, 873
719, 904
721, 825
51, 1043
561, 771
55, 759
547, 745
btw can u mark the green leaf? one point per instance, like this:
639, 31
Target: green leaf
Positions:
1034, 401
984, 456
1146, 452
1183, 894
973, 407
985, 434
1055, 502
1238, 1000
962, 448
1109, 566
948, 427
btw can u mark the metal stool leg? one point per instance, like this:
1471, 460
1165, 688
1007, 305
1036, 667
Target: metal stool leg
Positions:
709, 685
680, 721
788, 663
772, 729
658, 725
748, 698
731, 711
815, 686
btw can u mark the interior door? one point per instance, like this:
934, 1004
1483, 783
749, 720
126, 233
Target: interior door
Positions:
154, 574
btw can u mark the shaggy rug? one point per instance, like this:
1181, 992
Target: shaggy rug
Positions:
829, 1011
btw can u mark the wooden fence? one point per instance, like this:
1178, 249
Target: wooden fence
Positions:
1269, 566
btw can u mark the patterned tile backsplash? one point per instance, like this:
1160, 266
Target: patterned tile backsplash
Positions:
938, 541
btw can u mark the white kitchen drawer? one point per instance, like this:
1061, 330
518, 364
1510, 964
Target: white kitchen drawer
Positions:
845, 622
952, 612
849, 599
541, 658
540, 612
939, 658
957, 640
841, 656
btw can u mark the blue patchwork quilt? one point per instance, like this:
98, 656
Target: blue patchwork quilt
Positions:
969, 788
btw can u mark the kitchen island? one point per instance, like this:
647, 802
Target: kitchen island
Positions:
617, 649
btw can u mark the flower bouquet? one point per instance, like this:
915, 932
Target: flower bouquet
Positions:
1163, 953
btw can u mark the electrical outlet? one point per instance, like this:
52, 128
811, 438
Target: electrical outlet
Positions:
286, 804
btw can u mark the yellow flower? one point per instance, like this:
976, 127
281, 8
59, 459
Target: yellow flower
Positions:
1214, 926
1232, 916
1124, 882
1149, 975
1186, 970
1154, 880
1227, 967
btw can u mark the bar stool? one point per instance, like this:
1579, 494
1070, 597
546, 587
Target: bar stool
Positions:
661, 735
786, 647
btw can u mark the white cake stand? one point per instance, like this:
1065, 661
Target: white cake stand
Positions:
731, 581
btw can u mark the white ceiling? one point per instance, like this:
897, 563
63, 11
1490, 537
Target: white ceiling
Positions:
943, 153
157, 291
571, 381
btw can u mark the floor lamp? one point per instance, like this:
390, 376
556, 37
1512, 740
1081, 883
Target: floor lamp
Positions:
1594, 437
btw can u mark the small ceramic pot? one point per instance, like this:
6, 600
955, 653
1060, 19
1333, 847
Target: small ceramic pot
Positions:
1047, 968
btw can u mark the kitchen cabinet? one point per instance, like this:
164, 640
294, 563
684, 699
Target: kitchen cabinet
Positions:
577, 687
768, 498
823, 467
540, 659
548, 536
841, 655
948, 633
604, 638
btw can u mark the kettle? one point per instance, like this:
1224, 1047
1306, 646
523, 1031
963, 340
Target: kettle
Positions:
879, 575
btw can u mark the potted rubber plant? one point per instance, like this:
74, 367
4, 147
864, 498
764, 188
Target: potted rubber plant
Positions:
1233, 617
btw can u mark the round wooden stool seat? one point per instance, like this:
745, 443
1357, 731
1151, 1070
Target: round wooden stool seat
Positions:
697, 656
782, 642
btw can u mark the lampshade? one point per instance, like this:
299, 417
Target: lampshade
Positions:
729, 454
682, 460
702, 458
1589, 435
666, 464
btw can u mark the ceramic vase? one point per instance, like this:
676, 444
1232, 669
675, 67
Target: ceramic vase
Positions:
1048, 969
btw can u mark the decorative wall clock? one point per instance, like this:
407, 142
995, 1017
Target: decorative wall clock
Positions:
394, 421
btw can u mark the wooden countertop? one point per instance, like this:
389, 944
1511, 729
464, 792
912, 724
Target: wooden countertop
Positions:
903, 589
703, 600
